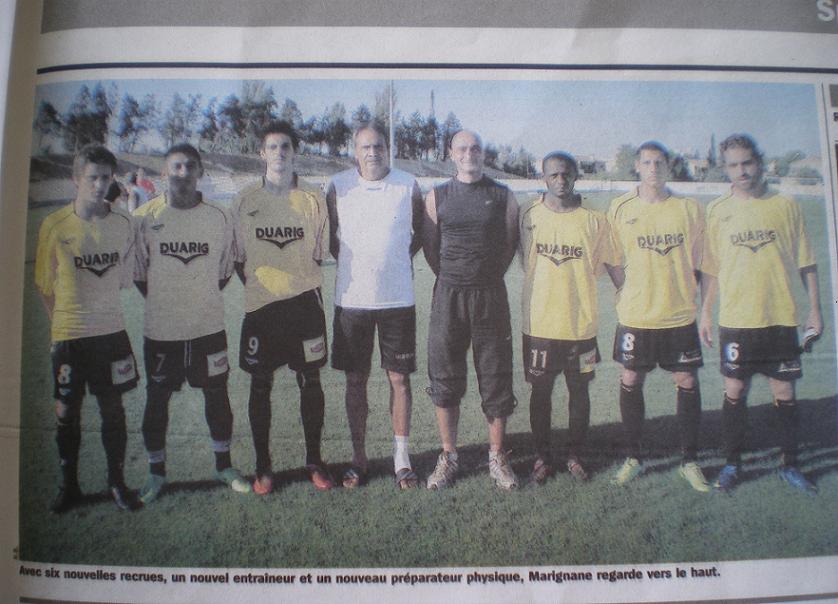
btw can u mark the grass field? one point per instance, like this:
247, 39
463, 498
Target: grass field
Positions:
656, 519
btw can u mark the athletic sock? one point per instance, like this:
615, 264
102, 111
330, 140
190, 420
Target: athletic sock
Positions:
219, 418
114, 436
259, 412
688, 411
155, 423
633, 411
401, 456
787, 417
312, 412
734, 422
579, 414
68, 439
541, 407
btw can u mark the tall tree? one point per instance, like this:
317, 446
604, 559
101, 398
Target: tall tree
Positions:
258, 105
449, 127
361, 115
711, 152
231, 125
208, 131
291, 114
335, 131
624, 163
47, 123
178, 121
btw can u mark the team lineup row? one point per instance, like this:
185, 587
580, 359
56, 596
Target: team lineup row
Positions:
746, 249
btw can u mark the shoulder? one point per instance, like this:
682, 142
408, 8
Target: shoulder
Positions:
344, 178
717, 204
621, 202
121, 215
530, 209
594, 216
216, 210
54, 219
401, 177
246, 193
151, 207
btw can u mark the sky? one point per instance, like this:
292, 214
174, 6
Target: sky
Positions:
582, 117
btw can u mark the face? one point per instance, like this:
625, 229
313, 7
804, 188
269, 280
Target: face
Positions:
467, 153
652, 167
559, 176
743, 169
93, 182
278, 153
371, 155
182, 173
140, 174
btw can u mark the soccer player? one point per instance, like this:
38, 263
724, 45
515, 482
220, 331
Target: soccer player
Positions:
658, 240
184, 259
375, 215
281, 231
756, 246
564, 247
85, 255
470, 235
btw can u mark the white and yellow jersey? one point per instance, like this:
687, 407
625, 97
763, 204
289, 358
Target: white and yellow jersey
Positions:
82, 264
562, 253
281, 240
182, 255
659, 246
756, 247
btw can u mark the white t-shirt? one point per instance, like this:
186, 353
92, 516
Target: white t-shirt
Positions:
375, 223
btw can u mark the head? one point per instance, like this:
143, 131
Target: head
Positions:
467, 152
560, 172
140, 173
743, 163
132, 178
651, 162
371, 153
279, 146
93, 170
182, 169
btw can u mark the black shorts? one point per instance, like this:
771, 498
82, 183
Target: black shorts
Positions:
772, 351
202, 361
476, 317
287, 332
354, 331
544, 357
105, 364
674, 348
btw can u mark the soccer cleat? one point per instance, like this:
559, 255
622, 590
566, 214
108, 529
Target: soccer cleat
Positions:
320, 477
501, 471
444, 473
151, 489
795, 478
691, 472
263, 485
234, 480
68, 497
727, 479
631, 469
541, 471
576, 470
124, 498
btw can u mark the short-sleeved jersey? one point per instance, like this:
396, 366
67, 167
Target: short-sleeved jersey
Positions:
755, 247
374, 233
83, 264
281, 240
659, 246
563, 253
182, 255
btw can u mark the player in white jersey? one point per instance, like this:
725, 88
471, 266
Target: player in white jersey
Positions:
85, 255
281, 230
375, 214
184, 258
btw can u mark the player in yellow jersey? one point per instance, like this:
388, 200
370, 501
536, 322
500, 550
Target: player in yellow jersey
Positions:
564, 247
84, 256
756, 248
658, 238
184, 259
281, 237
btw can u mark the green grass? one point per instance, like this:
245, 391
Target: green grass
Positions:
656, 519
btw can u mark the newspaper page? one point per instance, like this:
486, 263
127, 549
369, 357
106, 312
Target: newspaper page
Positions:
601, 452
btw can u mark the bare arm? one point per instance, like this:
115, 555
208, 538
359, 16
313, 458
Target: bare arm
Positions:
809, 275
709, 291
49, 304
617, 274
430, 233
511, 231
332, 209
418, 218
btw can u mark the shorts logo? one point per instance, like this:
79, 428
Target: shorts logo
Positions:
217, 363
488, 202
98, 264
789, 367
185, 251
404, 356
662, 244
691, 356
314, 349
158, 379
123, 371
280, 236
64, 391
250, 360
731, 366
754, 240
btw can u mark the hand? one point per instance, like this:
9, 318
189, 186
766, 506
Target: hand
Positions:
814, 321
705, 331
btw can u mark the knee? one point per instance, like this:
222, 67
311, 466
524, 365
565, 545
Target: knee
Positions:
356, 380
735, 390
110, 409
398, 381
632, 379
685, 380
261, 382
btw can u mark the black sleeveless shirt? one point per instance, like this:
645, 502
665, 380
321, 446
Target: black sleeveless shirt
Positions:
472, 223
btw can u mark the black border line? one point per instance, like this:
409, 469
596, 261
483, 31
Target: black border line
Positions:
411, 66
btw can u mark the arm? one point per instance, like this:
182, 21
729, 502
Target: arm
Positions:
511, 231
239, 268
430, 233
49, 304
709, 291
418, 205
617, 274
809, 275
142, 287
332, 209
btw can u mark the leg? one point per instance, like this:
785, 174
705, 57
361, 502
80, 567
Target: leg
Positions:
312, 413
401, 405
734, 418
357, 409
579, 414
155, 424
219, 418
688, 412
68, 439
259, 412
540, 416
114, 435
632, 409
785, 409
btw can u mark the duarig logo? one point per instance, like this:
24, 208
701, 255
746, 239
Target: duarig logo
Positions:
828, 10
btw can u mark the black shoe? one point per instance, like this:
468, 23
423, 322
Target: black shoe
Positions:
125, 498
67, 498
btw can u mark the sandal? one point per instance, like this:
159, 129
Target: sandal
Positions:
407, 479
354, 477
